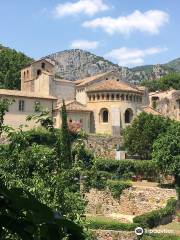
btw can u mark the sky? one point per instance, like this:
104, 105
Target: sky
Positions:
127, 32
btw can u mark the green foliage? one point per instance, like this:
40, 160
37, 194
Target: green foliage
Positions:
65, 145
83, 156
4, 107
153, 219
141, 134
116, 187
96, 179
160, 237
11, 63
166, 152
109, 224
125, 169
41, 116
22, 216
171, 80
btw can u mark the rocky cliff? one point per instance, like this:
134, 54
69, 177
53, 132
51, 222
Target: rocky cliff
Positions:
77, 64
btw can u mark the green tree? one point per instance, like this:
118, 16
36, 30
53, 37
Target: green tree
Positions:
171, 80
166, 151
23, 217
65, 139
144, 130
11, 63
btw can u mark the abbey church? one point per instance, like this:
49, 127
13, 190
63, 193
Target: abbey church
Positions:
99, 104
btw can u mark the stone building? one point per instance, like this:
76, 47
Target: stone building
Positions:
99, 104
166, 102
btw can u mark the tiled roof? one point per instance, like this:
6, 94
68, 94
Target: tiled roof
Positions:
112, 85
16, 93
73, 105
85, 81
150, 110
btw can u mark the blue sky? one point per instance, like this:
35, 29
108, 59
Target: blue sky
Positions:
128, 32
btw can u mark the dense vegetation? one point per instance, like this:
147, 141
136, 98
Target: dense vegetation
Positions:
166, 152
11, 63
32, 164
171, 80
144, 130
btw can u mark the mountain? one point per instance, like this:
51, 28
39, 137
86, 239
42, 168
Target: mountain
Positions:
175, 64
76, 64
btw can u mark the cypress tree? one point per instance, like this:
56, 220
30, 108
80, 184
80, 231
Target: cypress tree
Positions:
65, 139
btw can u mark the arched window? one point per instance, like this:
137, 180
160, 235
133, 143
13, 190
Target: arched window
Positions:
102, 96
117, 96
38, 72
107, 96
104, 115
128, 115
112, 96
27, 73
98, 97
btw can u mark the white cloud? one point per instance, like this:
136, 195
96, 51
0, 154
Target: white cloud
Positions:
149, 21
88, 7
84, 44
132, 56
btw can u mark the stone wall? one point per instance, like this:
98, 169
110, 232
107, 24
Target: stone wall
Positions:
103, 146
113, 235
133, 201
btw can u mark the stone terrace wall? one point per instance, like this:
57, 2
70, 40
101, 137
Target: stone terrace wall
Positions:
103, 146
133, 201
113, 235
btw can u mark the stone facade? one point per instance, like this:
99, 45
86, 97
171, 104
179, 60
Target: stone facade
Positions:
167, 103
103, 146
99, 104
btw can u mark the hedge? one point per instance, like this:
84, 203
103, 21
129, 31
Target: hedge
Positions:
127, 168
96, 179
160, 237
153, 219
110, 224
116, 187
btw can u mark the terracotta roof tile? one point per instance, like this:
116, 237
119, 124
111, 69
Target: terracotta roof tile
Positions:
112, 85
85, 81
16, 93
73, 105
150, 110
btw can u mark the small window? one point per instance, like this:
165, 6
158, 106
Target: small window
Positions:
112, 96
117, 96
106, 78
37, 106
21, 105
43, 65
27, 73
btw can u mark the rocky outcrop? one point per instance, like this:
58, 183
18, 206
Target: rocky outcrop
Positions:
77, 64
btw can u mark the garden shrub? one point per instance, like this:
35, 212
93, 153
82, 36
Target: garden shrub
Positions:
96, 179
160, 237
153, 219
116, 187
125, 169
109, 224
